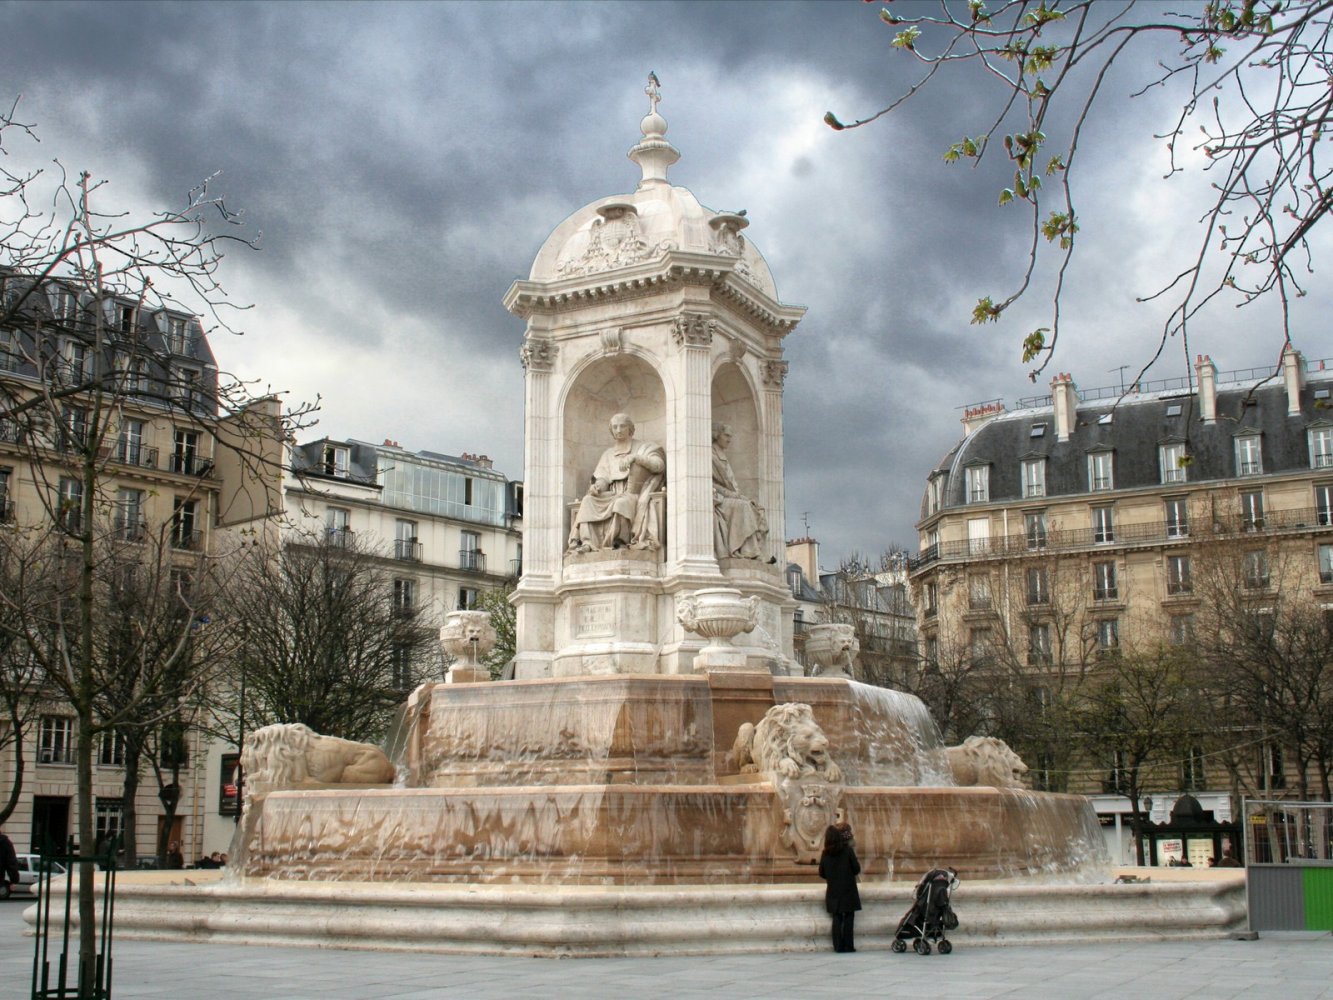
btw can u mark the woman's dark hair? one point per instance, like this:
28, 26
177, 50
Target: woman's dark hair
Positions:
833, 840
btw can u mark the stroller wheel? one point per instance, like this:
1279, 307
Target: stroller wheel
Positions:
922, 946
899, 945
945, 947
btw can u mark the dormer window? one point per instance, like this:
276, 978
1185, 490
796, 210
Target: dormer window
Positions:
1321, 447
1171, 458
1173, 409
177, 329
337, 461
1038, 430
125, 318
1101, 474
978, 483
1034, 477
1249, 455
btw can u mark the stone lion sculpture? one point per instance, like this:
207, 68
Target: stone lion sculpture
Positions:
831, 650
292, 755
986, 760
786, 742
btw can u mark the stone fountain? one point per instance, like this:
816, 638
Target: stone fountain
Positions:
655, 777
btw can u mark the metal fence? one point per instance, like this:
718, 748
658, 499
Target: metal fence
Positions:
59, 970
1289, 862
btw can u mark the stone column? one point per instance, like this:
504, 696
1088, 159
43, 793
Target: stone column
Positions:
542, 541
692, 520
774, 501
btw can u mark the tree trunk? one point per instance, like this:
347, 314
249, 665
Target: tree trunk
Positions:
129, 809
20, 762
83, 668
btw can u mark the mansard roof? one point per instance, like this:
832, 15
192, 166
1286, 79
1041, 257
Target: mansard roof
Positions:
1133, 429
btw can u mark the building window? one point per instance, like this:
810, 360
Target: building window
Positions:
1252, 510
404, 595
1321, 447
1178, 580
1117, 776
55, 740
401, 665
467, 598
129, 445
978, 483
71, 504
1181, 630
111, 750
1039, 644
978, 591
1034, 477
1191, 771
1171, 457
470, 556
1323, 504
176, 340
1177, 517
1256, 569
1039, 585
187, 388
1100, 471
932, 592
129, 518
10, 353
978, 535
337, 461
185, 524
125, 318
1103, 524
405, 544
931, 651
1104, 582
185, 459
467, 492
1249, 456
336, 522
934, 494
6, 503
73, 427
979, 646
1272, 767
1034, 525
63, 302
1108, 636
1326, 564
108, 821
74, 357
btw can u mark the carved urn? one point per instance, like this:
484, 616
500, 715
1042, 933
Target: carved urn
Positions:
467, 636
718, 614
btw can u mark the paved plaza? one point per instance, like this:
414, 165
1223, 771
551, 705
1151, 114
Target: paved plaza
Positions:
1293, 966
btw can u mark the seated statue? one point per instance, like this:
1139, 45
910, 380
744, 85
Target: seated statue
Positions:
740, 526
617, 511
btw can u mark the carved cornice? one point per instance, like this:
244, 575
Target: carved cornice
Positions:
693, 330
774, 373
538, 354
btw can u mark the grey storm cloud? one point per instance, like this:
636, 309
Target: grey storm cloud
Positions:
406, 161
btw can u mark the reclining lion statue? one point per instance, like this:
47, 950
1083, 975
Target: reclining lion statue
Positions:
786, 742
986, 760
292, 755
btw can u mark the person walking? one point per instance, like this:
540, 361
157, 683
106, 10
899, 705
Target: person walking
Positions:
838, 867
9, 865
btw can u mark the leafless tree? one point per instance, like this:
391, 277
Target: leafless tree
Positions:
1252, 77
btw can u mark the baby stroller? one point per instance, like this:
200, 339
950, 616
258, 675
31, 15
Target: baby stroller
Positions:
930, 914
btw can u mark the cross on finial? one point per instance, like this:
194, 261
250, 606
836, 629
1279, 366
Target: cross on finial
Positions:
654, 94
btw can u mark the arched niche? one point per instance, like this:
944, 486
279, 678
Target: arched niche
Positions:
623, 383
734, 405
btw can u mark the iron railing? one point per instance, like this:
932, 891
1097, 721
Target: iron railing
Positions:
59, 969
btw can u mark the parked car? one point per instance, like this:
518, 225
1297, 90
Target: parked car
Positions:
28, 872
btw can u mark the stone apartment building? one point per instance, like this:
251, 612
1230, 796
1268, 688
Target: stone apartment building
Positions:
1101, 508
140, 384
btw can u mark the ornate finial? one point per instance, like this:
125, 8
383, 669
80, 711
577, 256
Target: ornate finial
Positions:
654, 94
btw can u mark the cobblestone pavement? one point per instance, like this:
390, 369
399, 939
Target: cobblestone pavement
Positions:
1293, 966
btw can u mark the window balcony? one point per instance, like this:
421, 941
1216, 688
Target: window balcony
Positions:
190, 465
407, 549
515, 568
187, 541
472, 560
131, 530
137, 455
341, 537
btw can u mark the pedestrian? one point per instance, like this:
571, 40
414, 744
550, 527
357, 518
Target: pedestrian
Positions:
175, 859
9, 865
838, 867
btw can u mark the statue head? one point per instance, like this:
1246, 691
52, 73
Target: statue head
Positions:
721, 434
622, 427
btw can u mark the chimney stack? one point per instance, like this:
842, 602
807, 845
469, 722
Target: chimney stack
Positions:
1293, 377
975, 416
804, 552
1206, 372
1064, 399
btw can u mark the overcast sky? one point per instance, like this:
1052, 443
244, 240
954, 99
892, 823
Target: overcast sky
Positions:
405, 163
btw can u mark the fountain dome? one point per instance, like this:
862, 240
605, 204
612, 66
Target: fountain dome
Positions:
640, 228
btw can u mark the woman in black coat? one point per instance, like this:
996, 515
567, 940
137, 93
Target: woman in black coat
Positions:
838, 867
